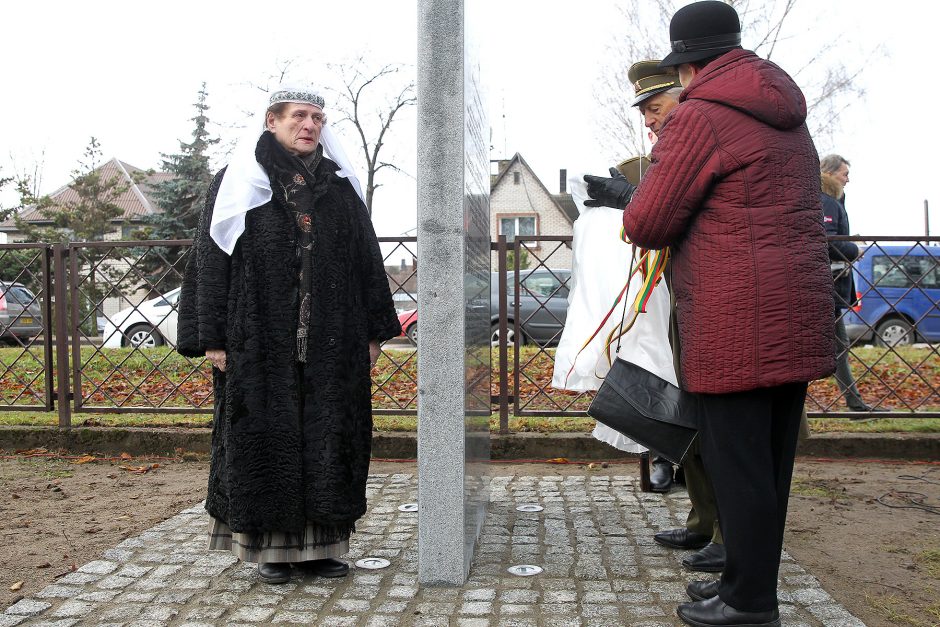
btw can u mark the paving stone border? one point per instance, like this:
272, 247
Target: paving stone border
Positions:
593, 539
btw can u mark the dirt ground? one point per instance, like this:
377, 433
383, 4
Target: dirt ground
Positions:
882, 563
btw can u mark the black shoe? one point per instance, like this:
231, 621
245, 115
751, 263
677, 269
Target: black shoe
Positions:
680, 475
661, 475
681, 539
701, 590
710, 559
713, 612
328, 567
271, 572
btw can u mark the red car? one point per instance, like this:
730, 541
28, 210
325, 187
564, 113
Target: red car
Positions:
409, 325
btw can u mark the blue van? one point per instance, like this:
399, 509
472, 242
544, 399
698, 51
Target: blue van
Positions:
899, 296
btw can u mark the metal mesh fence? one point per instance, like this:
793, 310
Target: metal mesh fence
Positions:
26, 358
890, 350
107, 311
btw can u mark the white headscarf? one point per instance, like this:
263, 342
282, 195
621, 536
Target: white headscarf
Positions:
246, 185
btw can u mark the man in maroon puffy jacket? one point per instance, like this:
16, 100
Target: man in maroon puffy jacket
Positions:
733, 190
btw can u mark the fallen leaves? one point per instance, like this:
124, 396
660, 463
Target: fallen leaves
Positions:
85, 459
140, 470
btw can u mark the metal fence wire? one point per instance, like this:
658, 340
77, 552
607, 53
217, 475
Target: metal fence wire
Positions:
27, 367
107, 312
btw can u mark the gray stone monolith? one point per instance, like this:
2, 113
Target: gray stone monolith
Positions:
453, 293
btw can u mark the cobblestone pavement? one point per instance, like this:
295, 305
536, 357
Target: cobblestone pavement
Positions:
593, 540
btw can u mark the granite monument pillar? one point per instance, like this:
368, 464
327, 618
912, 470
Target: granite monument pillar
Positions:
453, 292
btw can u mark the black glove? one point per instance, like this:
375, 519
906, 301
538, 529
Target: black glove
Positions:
614, 192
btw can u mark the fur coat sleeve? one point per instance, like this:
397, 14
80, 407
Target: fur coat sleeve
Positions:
204, 296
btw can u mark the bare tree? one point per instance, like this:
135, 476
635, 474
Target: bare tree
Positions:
620, 127
831, 84
369, 100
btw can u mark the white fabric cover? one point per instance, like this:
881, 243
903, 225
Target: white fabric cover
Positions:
600, 263
246, 185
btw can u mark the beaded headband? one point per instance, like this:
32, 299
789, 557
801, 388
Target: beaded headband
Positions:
293, 95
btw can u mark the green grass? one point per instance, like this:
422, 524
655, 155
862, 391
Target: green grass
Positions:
408, 423
160, 377
896, 609
930, 558
816, 488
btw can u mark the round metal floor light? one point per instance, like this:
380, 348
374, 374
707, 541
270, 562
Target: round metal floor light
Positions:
524, 570
372, 563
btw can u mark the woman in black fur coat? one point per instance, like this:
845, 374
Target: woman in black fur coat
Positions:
286, 294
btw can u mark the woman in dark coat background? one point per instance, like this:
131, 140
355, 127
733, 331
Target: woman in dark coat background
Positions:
286, 294
841, 255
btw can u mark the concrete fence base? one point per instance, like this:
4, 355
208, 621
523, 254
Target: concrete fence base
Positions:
516, 447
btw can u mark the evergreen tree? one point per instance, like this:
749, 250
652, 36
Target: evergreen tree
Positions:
180, 199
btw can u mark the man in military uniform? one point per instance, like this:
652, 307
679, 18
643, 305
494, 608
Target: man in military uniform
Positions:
656, 95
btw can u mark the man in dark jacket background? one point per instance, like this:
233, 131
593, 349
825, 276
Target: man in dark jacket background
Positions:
656, 95
733, 188
834, 175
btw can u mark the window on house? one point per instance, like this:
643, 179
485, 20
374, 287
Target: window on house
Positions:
516, 177
519, 225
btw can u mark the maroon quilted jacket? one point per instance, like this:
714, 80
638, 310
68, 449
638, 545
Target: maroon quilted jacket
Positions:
734, 190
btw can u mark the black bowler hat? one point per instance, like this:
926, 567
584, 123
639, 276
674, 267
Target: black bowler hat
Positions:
702, 30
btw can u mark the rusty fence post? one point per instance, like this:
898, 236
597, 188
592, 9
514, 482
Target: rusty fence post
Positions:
503, 330
63, 394
47, 348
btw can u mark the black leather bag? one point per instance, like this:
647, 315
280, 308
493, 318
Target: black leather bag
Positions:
645, 408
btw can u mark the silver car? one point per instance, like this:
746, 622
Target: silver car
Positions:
543, 305
20, 313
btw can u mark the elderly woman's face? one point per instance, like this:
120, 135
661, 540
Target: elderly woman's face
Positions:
298, 129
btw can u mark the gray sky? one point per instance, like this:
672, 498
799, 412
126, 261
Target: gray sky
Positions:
128, 74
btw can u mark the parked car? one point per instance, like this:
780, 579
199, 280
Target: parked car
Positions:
20, 313
899, 296
543, 307
409, 325
151, 323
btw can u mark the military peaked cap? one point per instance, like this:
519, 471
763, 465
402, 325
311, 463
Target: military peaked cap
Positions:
649, 79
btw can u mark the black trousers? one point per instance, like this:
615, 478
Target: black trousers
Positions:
748, 442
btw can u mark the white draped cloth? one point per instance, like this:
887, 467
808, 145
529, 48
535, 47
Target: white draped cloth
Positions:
246, 186
600, 264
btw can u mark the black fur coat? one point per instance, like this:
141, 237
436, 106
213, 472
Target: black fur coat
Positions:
272, 468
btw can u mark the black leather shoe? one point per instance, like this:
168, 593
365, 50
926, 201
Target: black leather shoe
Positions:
860, 406
328, 567
681, 539
712, 612
680, 475
701, 590
661, 475
710, 559
271, 572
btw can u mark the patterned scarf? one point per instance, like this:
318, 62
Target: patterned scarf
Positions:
292, 181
